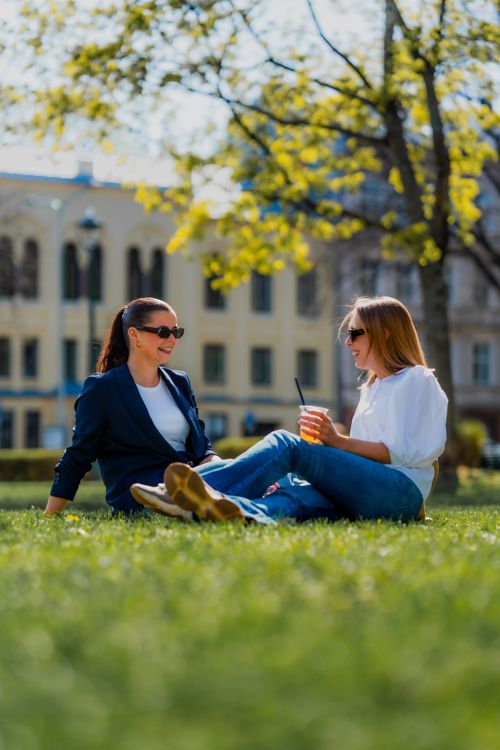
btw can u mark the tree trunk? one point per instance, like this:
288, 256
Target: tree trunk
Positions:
438, 355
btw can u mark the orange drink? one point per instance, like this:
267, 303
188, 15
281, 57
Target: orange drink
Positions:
304, 408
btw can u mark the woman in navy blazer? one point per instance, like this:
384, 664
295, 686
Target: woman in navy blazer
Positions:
115, 424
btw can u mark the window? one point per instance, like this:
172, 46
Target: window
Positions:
71, 272
261, 286
7, 268
374, 198
30, 358
214, 299
70, 349
135, 286
6, 429
307, 294
94, 349
406, 283
450, 286
4, 357
32, 429
94, 278
156, 285
29, 270
214, 364
481, 356
307, 367
370, 273
480, 289
216, 426
261, 366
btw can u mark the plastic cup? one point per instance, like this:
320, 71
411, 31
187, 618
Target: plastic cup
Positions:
304, 408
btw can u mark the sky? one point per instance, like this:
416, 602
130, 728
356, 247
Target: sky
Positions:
184, 112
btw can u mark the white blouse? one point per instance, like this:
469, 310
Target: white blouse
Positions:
406, 412
165, 414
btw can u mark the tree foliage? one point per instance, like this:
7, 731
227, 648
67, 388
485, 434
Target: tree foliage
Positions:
308, 121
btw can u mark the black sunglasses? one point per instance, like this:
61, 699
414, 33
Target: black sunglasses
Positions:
163, 331
353, 333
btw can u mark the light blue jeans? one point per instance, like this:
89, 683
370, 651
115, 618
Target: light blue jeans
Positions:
325, 483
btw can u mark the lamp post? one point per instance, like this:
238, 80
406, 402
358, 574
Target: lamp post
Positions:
89, 232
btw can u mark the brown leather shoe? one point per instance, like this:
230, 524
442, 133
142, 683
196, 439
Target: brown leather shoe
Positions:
186, 488
157, 499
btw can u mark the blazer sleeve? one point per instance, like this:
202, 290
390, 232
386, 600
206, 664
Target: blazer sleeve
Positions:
90, 421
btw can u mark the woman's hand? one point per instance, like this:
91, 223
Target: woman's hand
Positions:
320, 427
55, 505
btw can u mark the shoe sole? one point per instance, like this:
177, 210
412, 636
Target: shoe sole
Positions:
186, 488
141, 496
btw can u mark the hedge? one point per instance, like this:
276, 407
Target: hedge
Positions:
32, 465
230, 447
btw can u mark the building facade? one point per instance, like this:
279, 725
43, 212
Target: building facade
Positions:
58, 295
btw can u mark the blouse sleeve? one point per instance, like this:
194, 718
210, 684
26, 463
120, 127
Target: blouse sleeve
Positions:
415, 424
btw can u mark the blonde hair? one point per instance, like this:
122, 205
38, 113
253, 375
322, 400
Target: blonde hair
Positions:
391, 331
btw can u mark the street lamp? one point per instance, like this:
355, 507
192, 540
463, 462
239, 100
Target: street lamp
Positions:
89, 233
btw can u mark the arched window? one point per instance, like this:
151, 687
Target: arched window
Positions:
7, 268
71, 272
135, 283
95, 274
29, 270
156, 285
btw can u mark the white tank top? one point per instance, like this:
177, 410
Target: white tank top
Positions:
165, 414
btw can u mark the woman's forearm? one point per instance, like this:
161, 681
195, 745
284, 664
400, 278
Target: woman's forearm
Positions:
375, 451
55, 505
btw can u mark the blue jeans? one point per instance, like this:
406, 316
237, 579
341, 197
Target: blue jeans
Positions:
337, 484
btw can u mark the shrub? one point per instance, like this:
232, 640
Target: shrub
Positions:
231, 447
32, 465
472, 436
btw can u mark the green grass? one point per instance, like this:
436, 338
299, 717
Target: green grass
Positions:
153, 634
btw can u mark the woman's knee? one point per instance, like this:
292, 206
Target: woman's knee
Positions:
284, 436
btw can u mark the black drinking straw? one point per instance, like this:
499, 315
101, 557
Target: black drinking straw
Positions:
300, 391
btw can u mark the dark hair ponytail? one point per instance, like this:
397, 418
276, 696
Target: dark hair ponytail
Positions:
115, 350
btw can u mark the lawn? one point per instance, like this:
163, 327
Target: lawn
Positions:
153, 634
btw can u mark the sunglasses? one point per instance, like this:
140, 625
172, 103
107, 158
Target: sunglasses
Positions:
353, 333
163, 331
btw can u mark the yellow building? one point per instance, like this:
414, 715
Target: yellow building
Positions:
241, 351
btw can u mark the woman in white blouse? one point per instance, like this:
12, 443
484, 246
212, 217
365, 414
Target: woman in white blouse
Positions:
383, 469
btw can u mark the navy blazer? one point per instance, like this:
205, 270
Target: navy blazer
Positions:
112, 425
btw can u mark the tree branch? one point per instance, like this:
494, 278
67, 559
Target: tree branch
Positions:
484, 267
277, 63
335, 50
292, 122
325, 84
